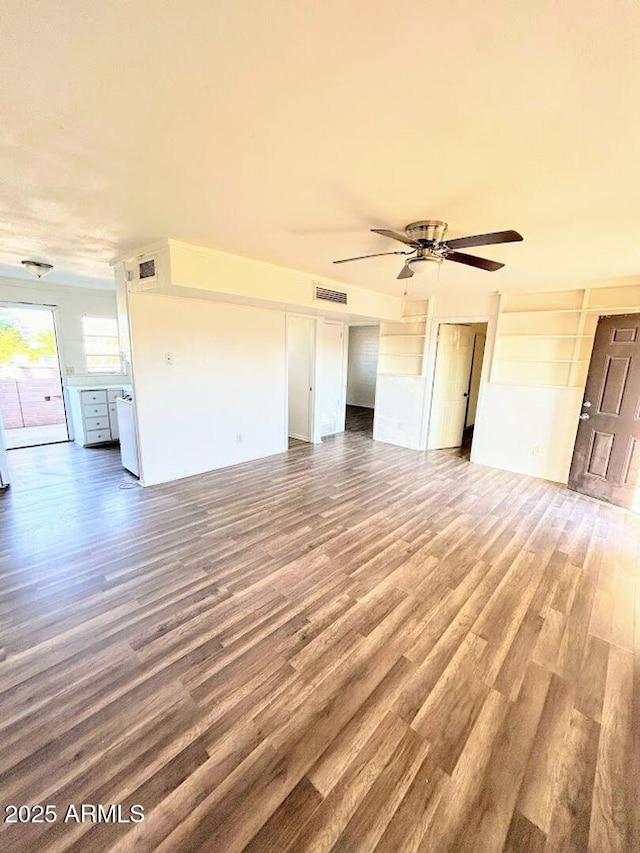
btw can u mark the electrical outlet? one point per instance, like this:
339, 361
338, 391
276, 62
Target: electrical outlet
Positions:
70, 370
400, 427
535, 450
239, 438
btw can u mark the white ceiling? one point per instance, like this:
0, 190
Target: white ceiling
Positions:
285, 130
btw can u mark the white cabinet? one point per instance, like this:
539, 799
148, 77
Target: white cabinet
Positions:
4, 461
113, 394
94, 415
113, 421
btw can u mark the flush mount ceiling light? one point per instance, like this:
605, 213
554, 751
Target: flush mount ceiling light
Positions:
37, 268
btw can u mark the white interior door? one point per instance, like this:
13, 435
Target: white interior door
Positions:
476, 374
330, 399
451, 385
300, 349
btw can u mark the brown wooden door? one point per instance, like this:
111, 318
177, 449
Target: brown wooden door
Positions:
606, 457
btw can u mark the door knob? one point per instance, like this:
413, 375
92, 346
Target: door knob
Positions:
587, 404
585, 416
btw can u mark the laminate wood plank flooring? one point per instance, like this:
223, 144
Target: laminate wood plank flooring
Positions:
348, 647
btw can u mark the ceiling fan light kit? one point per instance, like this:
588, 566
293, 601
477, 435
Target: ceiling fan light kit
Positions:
424, 263
428, 247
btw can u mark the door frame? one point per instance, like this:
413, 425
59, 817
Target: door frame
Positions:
5, 303
430, 372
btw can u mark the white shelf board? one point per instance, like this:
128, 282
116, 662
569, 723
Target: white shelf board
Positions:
544, 360
536, 335
534, 384
543, 311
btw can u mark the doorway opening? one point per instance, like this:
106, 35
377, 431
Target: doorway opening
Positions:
456, 385
362, 369
316, 378
31, 393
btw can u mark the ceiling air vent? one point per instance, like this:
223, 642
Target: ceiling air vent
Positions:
330, 295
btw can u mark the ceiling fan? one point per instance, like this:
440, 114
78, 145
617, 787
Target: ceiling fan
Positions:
429, 246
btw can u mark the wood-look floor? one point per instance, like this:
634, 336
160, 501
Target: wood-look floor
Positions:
348, 647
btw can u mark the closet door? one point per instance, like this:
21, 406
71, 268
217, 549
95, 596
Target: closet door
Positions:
300, 366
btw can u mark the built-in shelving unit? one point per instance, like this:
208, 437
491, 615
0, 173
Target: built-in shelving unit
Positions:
402, 344
546, 338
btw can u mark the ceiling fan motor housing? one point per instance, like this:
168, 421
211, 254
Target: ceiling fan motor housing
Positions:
429, 230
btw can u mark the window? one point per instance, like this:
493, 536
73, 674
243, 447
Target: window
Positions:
101, 346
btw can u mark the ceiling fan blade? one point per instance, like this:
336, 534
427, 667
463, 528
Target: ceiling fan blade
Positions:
406, 272
395, 236
377, 255
484, 239
473, 261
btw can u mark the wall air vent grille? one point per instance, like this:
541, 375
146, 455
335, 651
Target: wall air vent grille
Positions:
330, 295
147, 269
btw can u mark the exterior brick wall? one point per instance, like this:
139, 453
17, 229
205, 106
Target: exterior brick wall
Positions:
31, 402
362, 365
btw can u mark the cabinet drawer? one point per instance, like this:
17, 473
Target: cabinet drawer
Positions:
99, 411
113, 394
89, 397
96, 423
97, 436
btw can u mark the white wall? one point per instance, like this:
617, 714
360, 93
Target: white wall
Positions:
364, 342
529, 429
400, 411
463, 304
72, 303
222, 400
